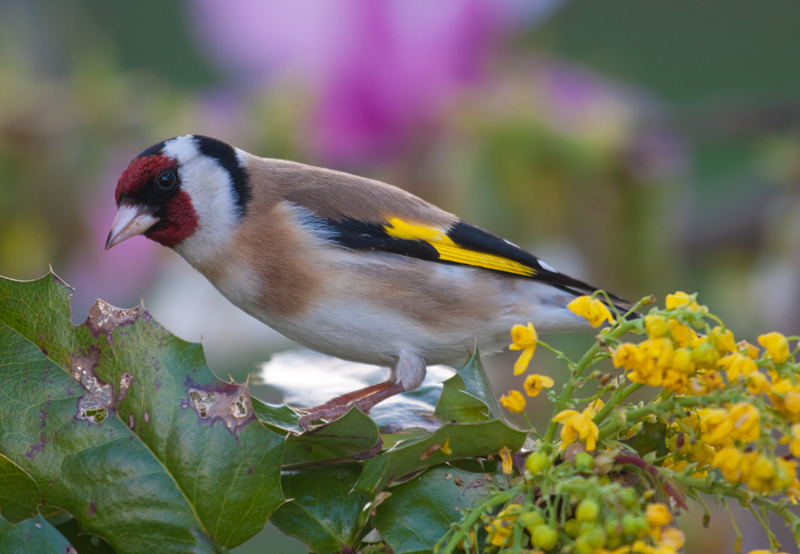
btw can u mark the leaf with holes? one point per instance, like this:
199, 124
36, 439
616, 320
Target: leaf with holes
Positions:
125, 427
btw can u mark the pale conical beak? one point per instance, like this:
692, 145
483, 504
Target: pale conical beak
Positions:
132, 219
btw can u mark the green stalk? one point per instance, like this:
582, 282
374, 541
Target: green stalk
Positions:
574, 381
665, 406
616, 399
467, 523
744, 496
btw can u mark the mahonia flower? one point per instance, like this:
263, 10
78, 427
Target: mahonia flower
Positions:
500, 527
535, 383
681, 334
728, 461
675, 382
680, 299
505, 457
794, 445
625, 355
525, 339
785, 398
446, 450
682, 361
715, 425
657, 515
704, 354
776, 346
656, 326
757, 383
673, 538
723, 340
514, 402
578, 425
746, 420
737, 364
592, 309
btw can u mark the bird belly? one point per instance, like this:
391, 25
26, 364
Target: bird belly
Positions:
373, 306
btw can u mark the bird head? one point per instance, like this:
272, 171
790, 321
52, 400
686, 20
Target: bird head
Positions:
187, 193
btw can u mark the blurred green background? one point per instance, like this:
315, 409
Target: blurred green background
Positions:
643, 146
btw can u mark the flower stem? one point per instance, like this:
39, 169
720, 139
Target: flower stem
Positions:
744, 496
467, 523
574, 382
616, 399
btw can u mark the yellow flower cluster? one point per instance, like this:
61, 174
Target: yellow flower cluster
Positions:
759, 472
727, 436
677, 358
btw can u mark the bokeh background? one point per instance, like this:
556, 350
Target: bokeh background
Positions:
643, 146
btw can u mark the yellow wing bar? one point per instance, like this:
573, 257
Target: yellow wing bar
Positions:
450, 251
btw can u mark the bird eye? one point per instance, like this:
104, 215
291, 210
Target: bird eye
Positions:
167, 179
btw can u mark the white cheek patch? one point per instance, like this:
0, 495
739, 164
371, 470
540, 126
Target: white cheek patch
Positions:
210, 187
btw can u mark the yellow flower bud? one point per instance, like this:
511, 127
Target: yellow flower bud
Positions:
656, 326
680, 299
505, 456
514, 402
776, 346
682, 361
657, 515
746, 421
681, 334
625, 356
723, 340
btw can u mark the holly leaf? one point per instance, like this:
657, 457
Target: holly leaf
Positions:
450, 442
32, 536
354, 435
419, 513
124, 426
324, 510
19, 494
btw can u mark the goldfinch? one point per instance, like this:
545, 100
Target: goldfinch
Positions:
344, 265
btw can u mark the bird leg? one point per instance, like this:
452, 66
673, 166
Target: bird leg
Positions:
350, 397
363, 399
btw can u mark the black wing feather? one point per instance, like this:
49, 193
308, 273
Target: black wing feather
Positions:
359, 235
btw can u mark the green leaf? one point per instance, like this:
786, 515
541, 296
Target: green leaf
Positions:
19, 494
83, 543
477, 384
651, 438
32, 536
457, 406
144, 446
354, 435
325, 510
419, 513
412, 455
281, 419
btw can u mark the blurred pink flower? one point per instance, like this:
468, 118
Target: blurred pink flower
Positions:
379, 70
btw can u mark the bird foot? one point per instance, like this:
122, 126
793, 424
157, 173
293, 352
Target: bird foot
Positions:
323, 414
332, 410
